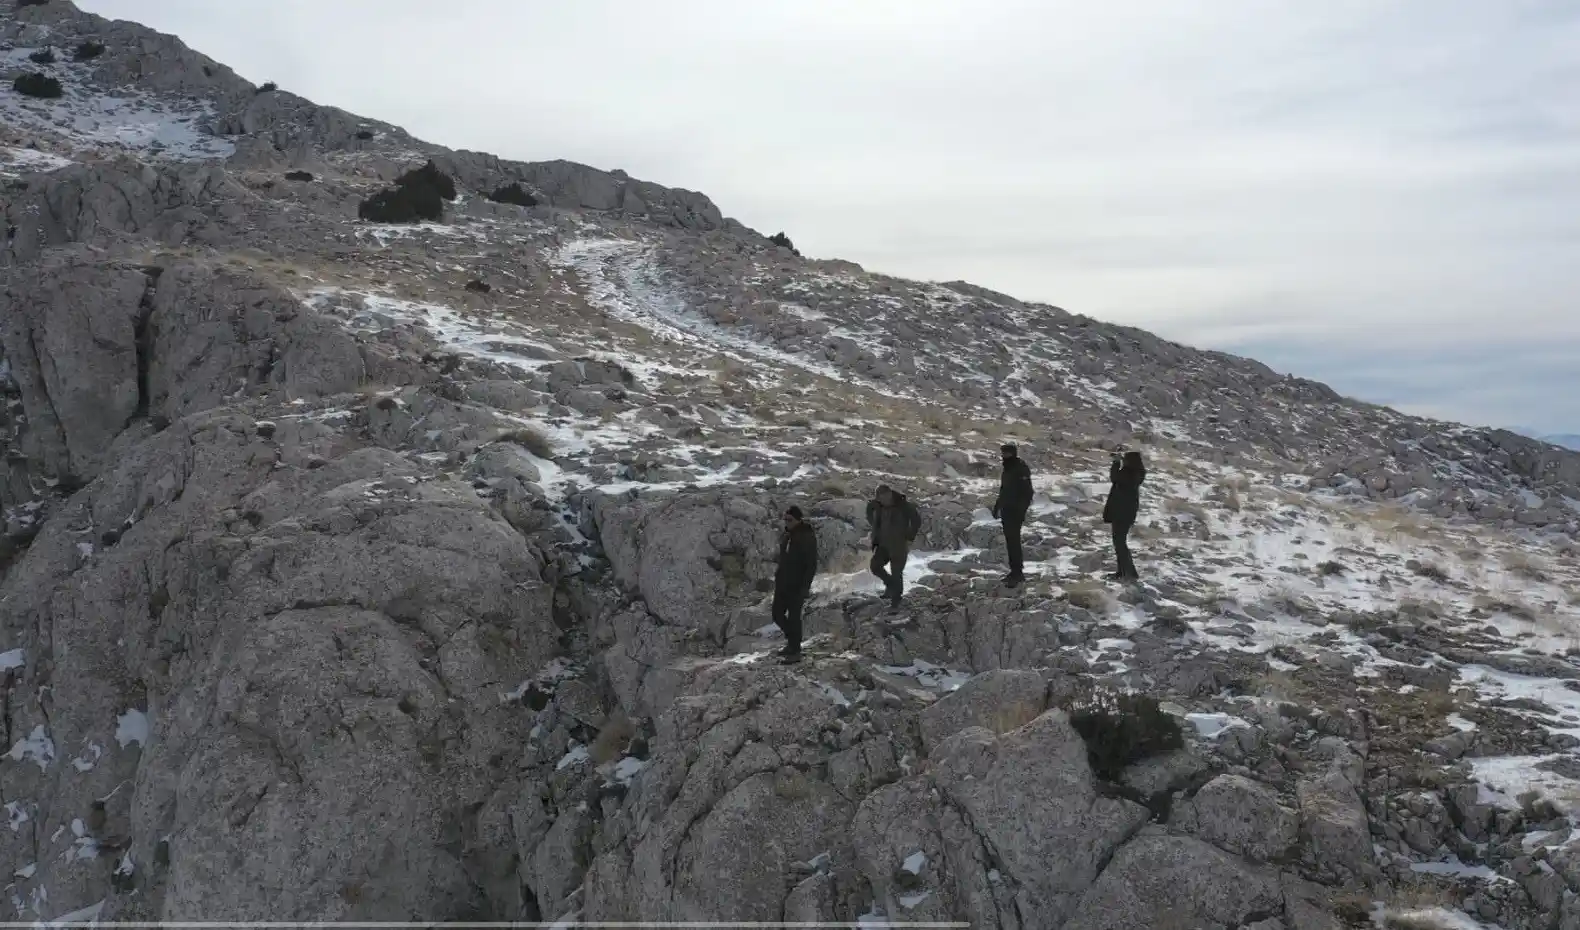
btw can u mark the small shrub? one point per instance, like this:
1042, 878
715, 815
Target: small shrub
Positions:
268, 88
208, 71
38, 85
531, 440
298, 175
428, 175
364, 134
1329, 569
23, 3
1430, 572
783, 241
478, 287
513, 193
44, 57
88, 51
1122, 729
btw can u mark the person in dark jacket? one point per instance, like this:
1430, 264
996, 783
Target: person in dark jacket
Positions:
895, 522
793, 580
1122, 506
1014, 499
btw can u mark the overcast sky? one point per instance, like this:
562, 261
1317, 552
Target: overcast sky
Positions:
1383, 196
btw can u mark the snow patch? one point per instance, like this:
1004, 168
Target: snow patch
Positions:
576, 755
1211, 726
37, 746
11, 658
15, 815
915, 862
131, 727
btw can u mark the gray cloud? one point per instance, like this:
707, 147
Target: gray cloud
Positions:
1363, 190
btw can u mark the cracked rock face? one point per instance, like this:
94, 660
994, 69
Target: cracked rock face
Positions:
423, 572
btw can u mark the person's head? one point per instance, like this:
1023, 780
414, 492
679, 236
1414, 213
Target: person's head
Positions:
1008, 451
793, 517
885, 495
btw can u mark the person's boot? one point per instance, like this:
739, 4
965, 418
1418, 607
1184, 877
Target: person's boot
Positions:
789, 657
1014, 580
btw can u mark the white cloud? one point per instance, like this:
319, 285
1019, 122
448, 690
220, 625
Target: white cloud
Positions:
1339, 172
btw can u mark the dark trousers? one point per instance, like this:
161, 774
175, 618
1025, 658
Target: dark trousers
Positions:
1017, 557
1127, 565
787, 616
893, 579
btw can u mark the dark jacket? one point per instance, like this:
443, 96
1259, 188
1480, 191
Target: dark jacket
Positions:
1014, 490
797, 560
894, 527
1124, 498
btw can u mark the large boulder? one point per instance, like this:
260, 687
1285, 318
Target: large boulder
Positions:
1241, 816
1026, 793
284, 709
1176, 881
999, 700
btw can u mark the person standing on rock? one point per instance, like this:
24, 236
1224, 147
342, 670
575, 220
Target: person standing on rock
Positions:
1123, 504
793, 580
1014, 499
895, 522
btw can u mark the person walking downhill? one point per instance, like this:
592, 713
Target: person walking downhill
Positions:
793, 580
1014, 499
1122, 506
895, 522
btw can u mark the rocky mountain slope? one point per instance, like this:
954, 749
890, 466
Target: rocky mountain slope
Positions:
367, 571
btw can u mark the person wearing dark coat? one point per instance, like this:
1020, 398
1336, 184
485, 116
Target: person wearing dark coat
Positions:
1014, 499
1122, 506
793, 580
895, 522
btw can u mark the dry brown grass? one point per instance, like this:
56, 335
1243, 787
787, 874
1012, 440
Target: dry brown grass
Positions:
1014, 716
1179, 505
530, 439
1089, 595
1508, 604
1525, 565
612, 739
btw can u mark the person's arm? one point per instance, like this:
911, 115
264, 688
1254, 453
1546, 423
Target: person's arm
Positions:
808, 562
1115, 469
1024, 491
913, 516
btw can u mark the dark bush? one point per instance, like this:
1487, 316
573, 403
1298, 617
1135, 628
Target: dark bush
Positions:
22, 3
783, 241
298, 175
207, 71
478, 286
364, 134
270, 87
37, 85
429, 175
88, 51
418, 195
402, 205
45, 57
513, 193
1121, 729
